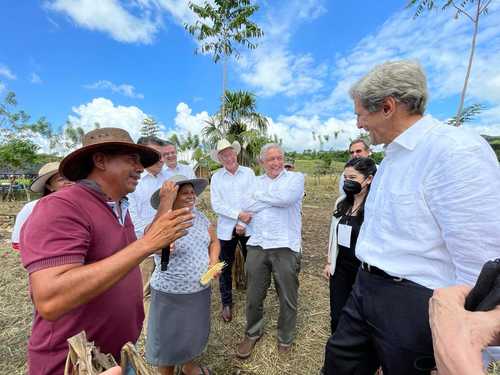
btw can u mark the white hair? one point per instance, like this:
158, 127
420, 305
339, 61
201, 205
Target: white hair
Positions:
403, 80
267, 147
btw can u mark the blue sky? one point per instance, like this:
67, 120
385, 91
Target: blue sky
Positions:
119, 61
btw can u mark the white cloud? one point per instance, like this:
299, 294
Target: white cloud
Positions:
35, 78
272, 68
111, 17
186, 122
6, 72
123, 89
104, 112
2, 88
441, 44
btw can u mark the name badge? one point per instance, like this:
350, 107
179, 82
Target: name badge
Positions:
344, 235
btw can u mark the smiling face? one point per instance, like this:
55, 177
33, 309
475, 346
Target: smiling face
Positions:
186, 197
273, 162
229, 159
156, 168
373, 122
170, 155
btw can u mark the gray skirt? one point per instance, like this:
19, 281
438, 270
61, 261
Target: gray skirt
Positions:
178, 327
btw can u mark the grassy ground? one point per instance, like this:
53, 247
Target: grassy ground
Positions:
313, 320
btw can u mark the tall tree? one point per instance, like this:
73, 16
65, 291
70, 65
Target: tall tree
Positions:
149, 127
221, 26
242, 123
473, 10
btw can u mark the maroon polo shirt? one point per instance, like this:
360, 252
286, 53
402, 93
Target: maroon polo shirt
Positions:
76, 225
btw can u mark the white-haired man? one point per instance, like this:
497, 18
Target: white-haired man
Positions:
274, 248
229, 187
431, 221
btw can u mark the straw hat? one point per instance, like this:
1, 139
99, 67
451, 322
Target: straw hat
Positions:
44, 175
199, 184
222, 145
77, 165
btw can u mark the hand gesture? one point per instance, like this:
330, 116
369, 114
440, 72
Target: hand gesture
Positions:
167, 228
240, 230
245, 217
168, 193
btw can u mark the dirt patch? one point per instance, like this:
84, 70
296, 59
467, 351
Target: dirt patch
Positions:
306, 356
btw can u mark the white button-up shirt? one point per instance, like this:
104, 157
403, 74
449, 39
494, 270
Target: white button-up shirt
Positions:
141, 212
276, 204
433, 212
181, 169
227, 193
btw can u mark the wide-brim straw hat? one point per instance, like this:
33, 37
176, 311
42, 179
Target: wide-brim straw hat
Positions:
44, 175
222, 145
199, 184
78, 164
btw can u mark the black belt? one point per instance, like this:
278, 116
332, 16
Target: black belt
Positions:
377, 271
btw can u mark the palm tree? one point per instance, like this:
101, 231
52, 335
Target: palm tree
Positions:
480, 8
220, 27
241, 123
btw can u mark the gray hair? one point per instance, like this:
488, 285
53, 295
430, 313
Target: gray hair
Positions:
403, 80
267, 147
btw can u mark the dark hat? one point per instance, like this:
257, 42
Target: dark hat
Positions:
77, 165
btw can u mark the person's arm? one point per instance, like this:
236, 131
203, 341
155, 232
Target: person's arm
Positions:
219, 204
283, 195
214, 246
57, 290
139, 222
463, 194
458, 335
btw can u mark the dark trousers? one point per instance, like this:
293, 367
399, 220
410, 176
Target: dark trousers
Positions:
340, 289
384, 322
227, 253
283, 265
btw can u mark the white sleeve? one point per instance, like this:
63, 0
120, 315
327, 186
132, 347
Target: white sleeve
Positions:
218, 203
21, 218
464, 196
134, 210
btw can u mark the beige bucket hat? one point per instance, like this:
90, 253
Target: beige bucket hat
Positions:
199, 184
44, 175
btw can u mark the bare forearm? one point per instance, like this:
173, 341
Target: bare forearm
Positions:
76, 285
214, 252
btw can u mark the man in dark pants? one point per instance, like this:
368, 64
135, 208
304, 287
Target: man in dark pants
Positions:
431, 221
229, 187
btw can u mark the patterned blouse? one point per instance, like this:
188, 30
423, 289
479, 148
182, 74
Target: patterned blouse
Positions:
188, 262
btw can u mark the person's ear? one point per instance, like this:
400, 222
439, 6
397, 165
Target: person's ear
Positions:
369, 179
389, 106
99, 160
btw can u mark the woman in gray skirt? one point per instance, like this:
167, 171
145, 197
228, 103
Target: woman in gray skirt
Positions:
179, 316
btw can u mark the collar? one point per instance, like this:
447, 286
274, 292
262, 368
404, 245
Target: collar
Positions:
238, 170
95, 187
284, 172
412, 136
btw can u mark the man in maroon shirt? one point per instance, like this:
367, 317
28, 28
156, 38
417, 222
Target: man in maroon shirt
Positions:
82, 255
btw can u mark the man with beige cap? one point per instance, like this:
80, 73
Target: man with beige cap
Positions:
82, 255
229, 187
49, 180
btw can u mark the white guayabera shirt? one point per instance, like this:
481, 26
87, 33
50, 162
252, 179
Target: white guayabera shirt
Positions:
227, 193
277, 204
433, 212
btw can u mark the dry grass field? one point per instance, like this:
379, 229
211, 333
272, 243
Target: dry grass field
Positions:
306, 355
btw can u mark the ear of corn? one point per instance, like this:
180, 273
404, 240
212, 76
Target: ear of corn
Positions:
209, 275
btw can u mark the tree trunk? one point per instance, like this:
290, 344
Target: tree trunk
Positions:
469, 67
224, 73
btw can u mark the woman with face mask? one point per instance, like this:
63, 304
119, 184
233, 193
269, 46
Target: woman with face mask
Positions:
342, 265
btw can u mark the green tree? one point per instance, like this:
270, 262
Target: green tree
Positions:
468, 114
242, 123
18, 153
222, 25
473, 10
149, 127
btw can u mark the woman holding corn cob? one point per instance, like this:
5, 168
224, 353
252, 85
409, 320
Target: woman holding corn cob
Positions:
179, 317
